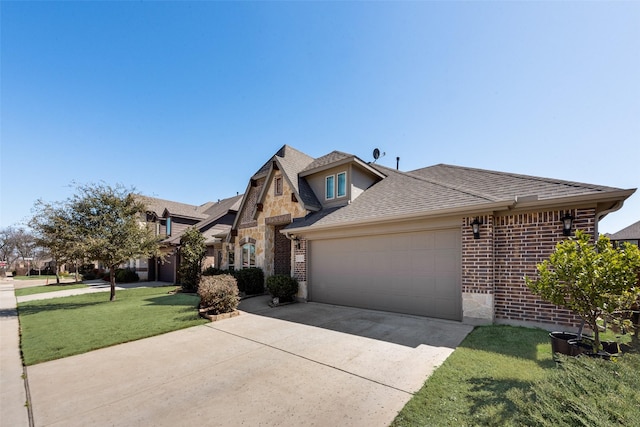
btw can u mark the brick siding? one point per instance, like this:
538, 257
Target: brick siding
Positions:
521, 241
300, 268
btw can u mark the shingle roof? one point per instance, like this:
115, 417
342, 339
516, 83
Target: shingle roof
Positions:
444, 188
292, 163
326, 160
504, 186
631, 232
158, 206
215, 211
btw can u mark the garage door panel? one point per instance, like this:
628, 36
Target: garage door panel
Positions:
415, 273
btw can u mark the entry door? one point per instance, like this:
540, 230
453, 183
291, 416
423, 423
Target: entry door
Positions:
282, 252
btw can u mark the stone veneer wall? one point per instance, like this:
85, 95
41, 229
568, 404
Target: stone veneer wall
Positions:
276, 210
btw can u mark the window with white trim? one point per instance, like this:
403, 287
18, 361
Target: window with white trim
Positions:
248, 255
330, 183
342, 184
335, 188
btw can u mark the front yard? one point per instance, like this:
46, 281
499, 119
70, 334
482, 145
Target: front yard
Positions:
61, 327
499, 375
506, 376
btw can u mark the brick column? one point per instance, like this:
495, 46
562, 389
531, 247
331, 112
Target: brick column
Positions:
478, 271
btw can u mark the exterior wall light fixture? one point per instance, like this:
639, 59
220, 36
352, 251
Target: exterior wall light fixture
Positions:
475, 226
567, 224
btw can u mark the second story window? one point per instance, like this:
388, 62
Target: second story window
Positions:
278, 186
168, 226
330, 183
342, 184
335, 188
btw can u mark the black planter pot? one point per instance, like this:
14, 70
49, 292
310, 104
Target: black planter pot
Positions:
560, 342
585, 348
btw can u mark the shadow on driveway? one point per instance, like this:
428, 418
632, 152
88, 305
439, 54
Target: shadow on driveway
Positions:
403, 329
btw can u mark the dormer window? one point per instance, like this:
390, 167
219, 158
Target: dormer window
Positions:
335, 188
168, 226
342, 184
330, 183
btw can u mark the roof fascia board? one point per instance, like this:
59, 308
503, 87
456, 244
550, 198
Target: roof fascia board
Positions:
610, 196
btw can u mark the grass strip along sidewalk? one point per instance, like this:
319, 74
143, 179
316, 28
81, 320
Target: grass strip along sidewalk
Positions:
48, 288
61, 327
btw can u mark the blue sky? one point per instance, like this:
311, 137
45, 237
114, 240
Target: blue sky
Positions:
186, 100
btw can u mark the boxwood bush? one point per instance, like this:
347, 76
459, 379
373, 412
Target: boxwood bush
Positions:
125, 275
250, 280
282, 287
218, 294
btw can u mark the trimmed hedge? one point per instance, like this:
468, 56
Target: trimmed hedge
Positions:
250, 280
282, 286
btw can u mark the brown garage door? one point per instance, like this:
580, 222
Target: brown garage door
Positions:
415, 273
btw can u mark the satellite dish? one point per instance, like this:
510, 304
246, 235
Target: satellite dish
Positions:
376, 154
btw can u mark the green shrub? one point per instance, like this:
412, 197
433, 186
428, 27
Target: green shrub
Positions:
584, 391
89, 276
282, 286
250, 280
213, 271
192, 251
218, 294
126, 275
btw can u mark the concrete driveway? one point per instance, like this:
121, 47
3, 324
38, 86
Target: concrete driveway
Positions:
300, 364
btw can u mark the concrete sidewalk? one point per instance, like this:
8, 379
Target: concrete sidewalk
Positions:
13, 397
14, 411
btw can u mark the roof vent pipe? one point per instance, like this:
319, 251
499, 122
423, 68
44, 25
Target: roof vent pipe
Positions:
397, 163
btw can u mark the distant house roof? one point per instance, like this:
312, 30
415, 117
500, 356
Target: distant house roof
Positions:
631, 232
161, 207
213, 212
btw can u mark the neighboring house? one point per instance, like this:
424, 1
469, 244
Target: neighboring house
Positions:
359, 234
171, 219
215, 229
630, 234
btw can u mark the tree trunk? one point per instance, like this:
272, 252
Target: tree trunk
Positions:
112, 279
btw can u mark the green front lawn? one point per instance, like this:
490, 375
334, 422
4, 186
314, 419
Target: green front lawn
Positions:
61, 327
506, 376
48, 288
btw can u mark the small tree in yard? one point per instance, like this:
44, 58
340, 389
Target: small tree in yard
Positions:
591, 279
192, 251
52, 230
108, 221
